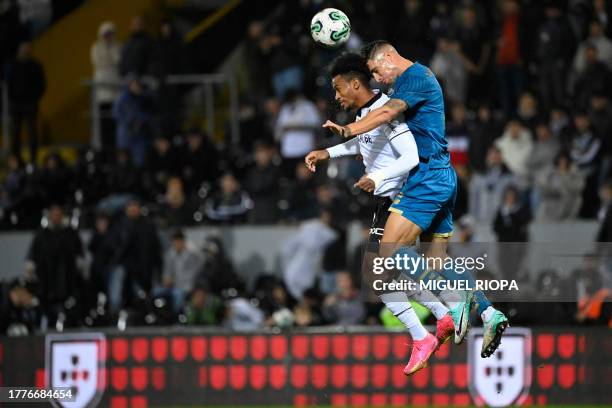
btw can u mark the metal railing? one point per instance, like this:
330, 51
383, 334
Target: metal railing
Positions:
207, 81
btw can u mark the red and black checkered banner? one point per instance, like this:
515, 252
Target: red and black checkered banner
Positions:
361, 367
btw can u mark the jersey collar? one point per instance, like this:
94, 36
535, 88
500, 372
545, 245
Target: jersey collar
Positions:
377, 95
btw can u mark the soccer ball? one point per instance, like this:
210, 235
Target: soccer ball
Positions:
330, 27
283, 318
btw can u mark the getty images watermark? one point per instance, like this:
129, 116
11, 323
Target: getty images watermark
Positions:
418, 271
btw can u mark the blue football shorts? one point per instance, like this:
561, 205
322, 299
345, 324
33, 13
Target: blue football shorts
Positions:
428, 199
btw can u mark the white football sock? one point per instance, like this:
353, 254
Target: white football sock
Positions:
487, 314
437, 308
399, 305
430, 301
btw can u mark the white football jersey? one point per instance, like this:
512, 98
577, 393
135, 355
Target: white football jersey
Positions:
376, 149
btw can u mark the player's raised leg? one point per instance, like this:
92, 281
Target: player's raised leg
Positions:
494, 321
459, 302
396, 301
398, 231
445, 327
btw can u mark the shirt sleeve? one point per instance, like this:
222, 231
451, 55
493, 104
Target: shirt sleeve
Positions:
402, 141
348, 148
412, 95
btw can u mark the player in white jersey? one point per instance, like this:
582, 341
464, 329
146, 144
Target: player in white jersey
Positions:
389, 153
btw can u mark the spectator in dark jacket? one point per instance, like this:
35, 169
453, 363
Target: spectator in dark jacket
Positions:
512, 229
513, 218
595, 79
137, 258
218, 271
527, 111
262, 184
169, 55
554, 45
600, 116
256, 49
101, 249
229, 205
586, 153
133, 112
199, 161
21, 312
482, 132
20, 196
14, 184
177, 208
136, 52
169, 58
54, 259
124, 177
475, 51
162, 162
301, 196
54, 179
26, 85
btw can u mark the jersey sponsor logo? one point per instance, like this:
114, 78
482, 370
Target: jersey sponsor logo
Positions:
504, 378
365, 138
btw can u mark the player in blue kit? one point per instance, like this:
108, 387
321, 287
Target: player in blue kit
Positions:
424, 206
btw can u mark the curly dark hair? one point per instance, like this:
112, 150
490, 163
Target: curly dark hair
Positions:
351, 65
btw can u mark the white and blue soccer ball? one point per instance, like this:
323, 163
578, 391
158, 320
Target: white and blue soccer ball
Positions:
283, 318
330, 27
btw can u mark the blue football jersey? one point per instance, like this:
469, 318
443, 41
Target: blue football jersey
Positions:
419, 88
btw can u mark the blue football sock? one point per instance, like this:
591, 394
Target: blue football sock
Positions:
481, 301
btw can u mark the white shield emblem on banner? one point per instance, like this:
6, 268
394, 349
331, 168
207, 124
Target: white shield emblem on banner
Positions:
504, 378
72, 361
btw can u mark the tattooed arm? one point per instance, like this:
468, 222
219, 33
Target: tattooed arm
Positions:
372, 120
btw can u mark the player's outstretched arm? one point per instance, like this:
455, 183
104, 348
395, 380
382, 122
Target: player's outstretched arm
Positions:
372, 120
348, 148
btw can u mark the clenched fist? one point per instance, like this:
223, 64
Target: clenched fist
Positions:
366, 184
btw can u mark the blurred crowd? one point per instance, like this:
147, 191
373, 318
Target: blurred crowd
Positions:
121, 276
528, 88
